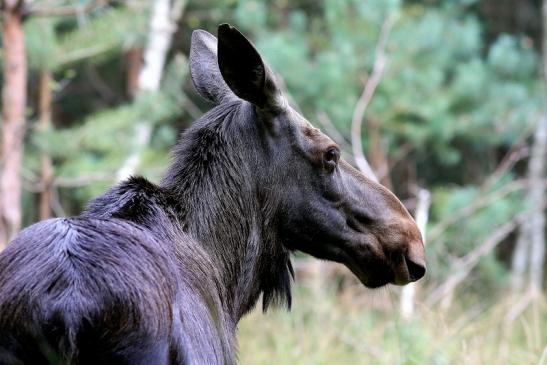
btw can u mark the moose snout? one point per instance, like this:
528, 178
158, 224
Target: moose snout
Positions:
416, 269
411, 266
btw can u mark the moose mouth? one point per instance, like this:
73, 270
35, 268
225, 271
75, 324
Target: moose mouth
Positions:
376, 274
376, 268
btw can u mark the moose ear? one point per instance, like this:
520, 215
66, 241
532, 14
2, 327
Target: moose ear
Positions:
204, 68
243, 69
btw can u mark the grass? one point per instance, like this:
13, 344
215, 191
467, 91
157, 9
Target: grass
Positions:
360, 326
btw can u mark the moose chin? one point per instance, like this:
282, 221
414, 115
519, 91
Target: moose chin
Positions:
161, 274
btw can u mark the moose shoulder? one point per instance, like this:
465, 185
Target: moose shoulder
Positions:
163, 273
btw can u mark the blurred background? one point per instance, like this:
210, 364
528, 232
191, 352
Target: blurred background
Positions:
443, 100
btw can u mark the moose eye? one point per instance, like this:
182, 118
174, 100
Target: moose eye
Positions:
331, 157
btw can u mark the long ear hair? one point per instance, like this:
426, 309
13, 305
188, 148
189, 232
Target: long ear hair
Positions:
231, 67
204, 69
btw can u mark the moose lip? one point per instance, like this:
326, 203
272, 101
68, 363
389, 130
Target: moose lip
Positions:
382, 274
379, 274
395, 271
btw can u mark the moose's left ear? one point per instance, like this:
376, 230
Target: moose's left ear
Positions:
204, 68
243, 69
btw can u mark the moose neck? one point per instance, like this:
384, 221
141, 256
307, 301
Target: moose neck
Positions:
214, 176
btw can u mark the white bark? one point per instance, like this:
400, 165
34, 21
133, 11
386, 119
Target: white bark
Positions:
538, 167
519, 260
537, 197
372, 83
530, 249
161, 31
142, 138
423, 201
162, 27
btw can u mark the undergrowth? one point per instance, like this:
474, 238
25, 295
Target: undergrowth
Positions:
359, 326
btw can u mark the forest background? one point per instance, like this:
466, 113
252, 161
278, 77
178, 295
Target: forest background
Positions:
444, 101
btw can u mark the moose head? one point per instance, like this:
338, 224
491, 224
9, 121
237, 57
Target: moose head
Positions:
321, 205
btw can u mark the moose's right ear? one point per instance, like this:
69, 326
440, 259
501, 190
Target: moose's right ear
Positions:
204, 69
244, 70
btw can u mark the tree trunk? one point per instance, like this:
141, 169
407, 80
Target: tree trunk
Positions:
537, 197
378, 157
13, 120
162, 27
371, 84
537, 252
530, 248
520, 259
423, 200
44, 107
133, 65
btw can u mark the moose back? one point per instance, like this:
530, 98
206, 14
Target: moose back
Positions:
161, 274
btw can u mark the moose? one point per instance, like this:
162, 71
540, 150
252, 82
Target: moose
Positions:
162, 273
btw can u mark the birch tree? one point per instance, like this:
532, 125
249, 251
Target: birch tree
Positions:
423, 201
530, 248
537, 195
537, 254
162, 26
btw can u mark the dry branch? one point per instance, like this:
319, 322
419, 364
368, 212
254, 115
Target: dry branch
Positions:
333, 132
483, 201
515, 154
366, 96
464, 265
47, 11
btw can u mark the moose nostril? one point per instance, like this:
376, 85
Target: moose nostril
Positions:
415, 270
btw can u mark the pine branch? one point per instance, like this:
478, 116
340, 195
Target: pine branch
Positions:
48, 11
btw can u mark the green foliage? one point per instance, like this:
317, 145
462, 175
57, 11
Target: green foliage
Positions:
41, 44
104, 32
438, 86
51, 46
99, 144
